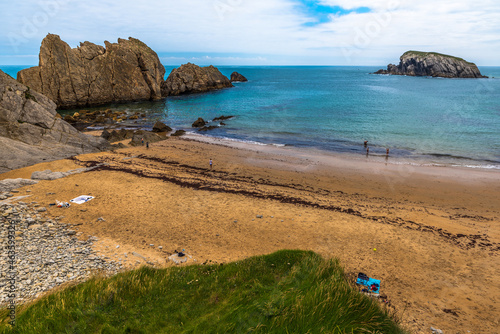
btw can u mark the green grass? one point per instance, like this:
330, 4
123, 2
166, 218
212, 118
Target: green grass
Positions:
425, 54
284, 292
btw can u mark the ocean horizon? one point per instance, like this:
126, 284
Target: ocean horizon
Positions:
421, 120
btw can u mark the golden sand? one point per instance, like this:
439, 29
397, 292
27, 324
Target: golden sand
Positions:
431, 234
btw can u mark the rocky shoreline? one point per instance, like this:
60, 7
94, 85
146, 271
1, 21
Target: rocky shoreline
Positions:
48, 252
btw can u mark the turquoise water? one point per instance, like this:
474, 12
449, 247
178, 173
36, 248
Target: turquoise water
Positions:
421, 120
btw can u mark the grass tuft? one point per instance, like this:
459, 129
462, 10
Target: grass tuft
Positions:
284, 292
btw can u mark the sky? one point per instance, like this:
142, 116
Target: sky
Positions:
260, 32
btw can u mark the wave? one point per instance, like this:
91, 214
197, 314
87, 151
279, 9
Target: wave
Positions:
459, 157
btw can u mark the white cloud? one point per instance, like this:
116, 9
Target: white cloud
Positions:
271, 29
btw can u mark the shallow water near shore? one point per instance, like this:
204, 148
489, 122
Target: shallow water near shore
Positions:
421, 120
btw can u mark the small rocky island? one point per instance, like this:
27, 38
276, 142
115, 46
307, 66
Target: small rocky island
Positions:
237, 77
191, 78
416, 63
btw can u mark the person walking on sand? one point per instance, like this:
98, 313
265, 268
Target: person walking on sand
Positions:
210, 162
147, 145
142, 141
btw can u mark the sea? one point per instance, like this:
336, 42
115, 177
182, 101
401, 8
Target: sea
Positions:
421, 120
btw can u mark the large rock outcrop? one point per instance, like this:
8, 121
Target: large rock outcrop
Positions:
31, 132
92, 74
416, 63
191, 78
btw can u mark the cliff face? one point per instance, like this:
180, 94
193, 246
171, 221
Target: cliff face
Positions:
91, 74
190, 78
415, 63
31, 132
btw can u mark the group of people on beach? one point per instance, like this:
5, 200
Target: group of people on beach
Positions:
210, 162
368, 149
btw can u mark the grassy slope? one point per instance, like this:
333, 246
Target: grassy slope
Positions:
284, 292
425, 54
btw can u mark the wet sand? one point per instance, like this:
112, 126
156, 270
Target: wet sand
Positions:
431, 234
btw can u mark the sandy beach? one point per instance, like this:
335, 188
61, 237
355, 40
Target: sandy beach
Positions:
431, 234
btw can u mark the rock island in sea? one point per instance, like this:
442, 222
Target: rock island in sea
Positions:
417, 63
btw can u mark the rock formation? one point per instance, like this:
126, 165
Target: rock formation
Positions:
148, 137
137, 137
91, 74
190, 78
415, 63
31, 131
200, 122
161, 127
236, 77
222, 118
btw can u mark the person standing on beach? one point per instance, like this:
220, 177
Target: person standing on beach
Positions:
367, 150
147, 145
210, 162
387, 152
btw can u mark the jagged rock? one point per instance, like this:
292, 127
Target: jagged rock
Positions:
178, 133
416, 63
31, 132
199, 123
190, 78
161, 127
91, 74
236, 77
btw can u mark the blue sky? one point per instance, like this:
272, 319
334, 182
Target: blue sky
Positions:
260, 32
319, 13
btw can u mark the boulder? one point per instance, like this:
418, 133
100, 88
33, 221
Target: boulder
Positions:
161, 127
236, 77
190, 78
31, 132
416, 63
199, 123
92, 74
